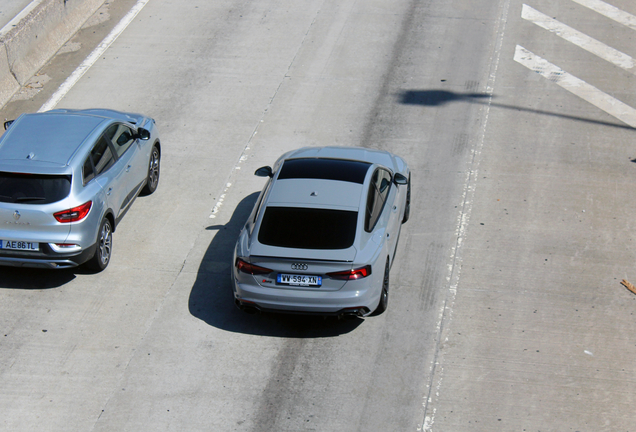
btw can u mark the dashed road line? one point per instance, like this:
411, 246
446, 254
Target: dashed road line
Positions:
576, 86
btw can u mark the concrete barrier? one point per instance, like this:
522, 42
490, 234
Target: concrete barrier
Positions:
35, 35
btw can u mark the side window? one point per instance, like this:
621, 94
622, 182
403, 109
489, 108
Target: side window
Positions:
102, 156
384, 185
373, 204
378, 191
88, 172
121, 137
260, 199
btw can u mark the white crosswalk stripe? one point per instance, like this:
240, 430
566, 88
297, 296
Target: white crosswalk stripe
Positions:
579, 39
576, 86
568, 81
611, 12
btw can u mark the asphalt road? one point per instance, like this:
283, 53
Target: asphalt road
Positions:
506, 308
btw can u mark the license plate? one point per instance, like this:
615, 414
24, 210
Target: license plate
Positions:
299, 280
19, 245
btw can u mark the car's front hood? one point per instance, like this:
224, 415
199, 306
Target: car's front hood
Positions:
341, 255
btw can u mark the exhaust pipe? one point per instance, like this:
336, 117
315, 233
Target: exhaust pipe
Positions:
358, 312
251, 309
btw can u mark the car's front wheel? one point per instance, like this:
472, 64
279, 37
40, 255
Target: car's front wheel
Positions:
100, 260
154, 169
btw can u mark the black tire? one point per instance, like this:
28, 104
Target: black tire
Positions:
104, 249
154, 169
384, 297
407, 205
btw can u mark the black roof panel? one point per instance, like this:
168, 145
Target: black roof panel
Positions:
325, 169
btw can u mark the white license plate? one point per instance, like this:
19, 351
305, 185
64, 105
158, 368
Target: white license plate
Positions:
299, 280
19, 245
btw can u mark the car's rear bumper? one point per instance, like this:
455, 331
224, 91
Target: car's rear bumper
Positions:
45, 258
251, 307
253, 298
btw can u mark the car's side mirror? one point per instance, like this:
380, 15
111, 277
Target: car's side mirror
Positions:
7, 124
265, 171
143, 134
400, 179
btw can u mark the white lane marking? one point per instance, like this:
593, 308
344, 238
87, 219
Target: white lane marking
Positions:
456, 258
576, 86
579, 39
610, 12
92, 58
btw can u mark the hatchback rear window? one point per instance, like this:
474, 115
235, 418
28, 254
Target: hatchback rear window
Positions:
33, 188
308, 228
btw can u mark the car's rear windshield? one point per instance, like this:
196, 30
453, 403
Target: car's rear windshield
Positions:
308, 228
33, 188
326, 169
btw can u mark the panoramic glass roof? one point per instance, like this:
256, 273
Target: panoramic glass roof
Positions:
326, 169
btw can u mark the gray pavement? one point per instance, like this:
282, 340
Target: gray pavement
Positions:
9, 9
506, 310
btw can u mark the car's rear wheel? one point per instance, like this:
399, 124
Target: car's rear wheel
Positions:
384, 296
100, 260
407, 205
154, 169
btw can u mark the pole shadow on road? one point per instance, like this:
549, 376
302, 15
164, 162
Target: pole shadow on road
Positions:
437, 97
211, 299
441, 97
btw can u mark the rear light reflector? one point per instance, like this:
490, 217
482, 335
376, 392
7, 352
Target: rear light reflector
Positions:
75, 214
352, 274
65, 247
252, 269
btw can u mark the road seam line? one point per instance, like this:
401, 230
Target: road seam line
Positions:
455, 263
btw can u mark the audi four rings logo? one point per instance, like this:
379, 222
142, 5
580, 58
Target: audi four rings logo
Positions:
299, 266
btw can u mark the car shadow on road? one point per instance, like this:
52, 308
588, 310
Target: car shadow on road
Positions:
211, 299
31, 279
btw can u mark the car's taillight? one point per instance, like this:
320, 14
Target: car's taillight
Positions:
252, 269
75, 214
352, 274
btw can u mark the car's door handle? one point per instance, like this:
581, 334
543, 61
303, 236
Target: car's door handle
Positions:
128, 168
109, 191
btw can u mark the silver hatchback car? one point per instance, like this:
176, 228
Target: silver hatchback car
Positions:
323, 234
67, 177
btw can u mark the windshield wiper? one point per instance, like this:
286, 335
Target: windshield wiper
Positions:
20, 199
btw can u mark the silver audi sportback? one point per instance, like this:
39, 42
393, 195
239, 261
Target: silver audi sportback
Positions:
323, 233
67, 177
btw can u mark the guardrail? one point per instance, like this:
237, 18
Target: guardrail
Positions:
35, 35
